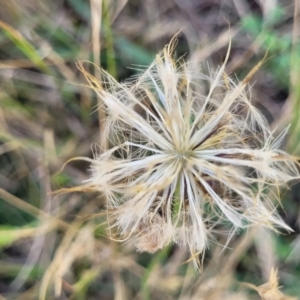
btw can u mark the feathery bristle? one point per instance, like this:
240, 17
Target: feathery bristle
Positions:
185, 158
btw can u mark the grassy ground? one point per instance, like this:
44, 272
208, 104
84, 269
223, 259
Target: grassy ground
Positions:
56, 247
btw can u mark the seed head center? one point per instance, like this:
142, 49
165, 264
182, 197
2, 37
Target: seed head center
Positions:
182, 155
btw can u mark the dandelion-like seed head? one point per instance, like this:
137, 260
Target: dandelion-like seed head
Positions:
188, 153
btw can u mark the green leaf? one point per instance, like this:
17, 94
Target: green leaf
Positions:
252, 24
12, 270
82, 8
274, 16
27, 49
134, 52
8, 235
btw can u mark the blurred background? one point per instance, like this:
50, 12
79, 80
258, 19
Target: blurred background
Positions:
56, 246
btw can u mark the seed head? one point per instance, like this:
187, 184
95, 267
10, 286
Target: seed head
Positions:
189, 153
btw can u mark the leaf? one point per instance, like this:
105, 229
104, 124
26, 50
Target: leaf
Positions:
27, 49
252, 24
81, 8
10, 234
134, 52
